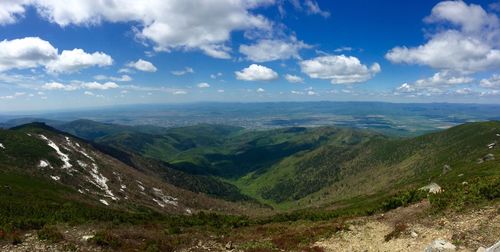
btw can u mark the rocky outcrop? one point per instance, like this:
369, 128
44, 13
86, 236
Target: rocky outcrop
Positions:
440, 246
432, 188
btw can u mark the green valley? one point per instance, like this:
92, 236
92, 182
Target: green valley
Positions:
292, 168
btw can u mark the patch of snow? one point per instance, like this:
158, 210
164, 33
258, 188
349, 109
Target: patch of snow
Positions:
100, 181
141, 187
188, 211
78, 148
158, 202
81, 191
498, 135
86, 155
104, 202
165, 199
56, 178
82, 164
432, 188
122, 186
491, 145
2, 146
87, 237
28, 134
62, 156
43, 164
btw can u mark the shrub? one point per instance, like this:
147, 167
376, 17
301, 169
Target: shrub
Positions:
403, 199
106, 239
16, 239
51, 234
458, 196
157, 246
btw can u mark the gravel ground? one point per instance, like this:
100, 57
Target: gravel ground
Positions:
467, 231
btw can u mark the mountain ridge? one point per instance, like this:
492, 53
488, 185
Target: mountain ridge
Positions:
357, 154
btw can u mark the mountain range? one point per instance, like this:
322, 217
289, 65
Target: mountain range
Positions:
87, 171
287, 168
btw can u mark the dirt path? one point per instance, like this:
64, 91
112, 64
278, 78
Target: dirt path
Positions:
468, 231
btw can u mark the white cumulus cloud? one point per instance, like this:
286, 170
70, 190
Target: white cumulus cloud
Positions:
179, 92
203, 85
59, 86
33, 52
294, 78
11, 10
76, 59
186, 70
339, 69
438, 83
123, 78
29, 52
166, 24
256, 73
97, 85
312, 7
492, 82
79, 85
269, 50
470, 44
142, 65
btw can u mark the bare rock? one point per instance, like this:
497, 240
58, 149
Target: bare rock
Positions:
440, 246
229, 245
489, 157
414, 234
494, 248
432, 188
446, 169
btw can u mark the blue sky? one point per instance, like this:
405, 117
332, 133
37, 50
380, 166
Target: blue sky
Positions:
110, 52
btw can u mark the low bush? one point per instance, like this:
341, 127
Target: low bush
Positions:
51, 234
403, 199
106, 239
458, 196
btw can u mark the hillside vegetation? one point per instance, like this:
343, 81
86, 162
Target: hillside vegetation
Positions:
292, 168
314, 178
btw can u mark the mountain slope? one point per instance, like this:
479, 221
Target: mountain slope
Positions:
383, 166
36, 151
304, 167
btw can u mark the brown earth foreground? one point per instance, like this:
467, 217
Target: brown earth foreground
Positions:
409, 228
